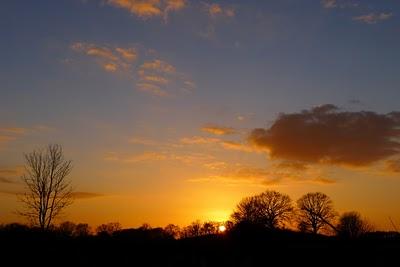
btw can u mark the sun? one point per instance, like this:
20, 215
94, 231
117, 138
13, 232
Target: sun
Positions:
221, 228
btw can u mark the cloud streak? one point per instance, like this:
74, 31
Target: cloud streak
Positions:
373, 18
146, 9
85, 195
218, 130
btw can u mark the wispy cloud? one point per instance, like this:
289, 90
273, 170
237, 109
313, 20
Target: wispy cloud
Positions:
150, 75
199, 140
218, 130
85, 195
373, 18
189, 158
143, 141
111, 59
8, 134
329, 3
217, 10
5, 180
10, 175
393, 165
151, 88
146, 9
238, 174
238, 146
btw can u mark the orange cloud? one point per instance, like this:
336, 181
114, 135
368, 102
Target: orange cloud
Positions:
13, 130
325, 134
129, 54
232, 145
149, 8
215, 10
159, 66
151, 88
111, 67
373, 18
110, 58
146, 156
218, 130
199, 140
155, 79
154, 76
10, 134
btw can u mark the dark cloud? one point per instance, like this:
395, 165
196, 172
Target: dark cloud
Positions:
325, 134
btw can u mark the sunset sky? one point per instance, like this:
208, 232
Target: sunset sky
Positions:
174, 110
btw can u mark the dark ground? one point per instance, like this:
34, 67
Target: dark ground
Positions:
132, 247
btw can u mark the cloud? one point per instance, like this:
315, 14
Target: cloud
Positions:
145, 9
393, 165
146, 156
373, 18
322, 180
129, 54
328, 135
233, 145
218, 130
150, 75
158, 66
6, 138
155, 78
13, 130
5, 180
151, 88
10, 134
217, 10
199, 140
111, 67
293, 165
85, 195
155, 156
112, 59
329, 3
9, 175
142, 141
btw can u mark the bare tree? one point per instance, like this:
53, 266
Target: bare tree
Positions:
269, 208
48, 190
352, 225
315, 212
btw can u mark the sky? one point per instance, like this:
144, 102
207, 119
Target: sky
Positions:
174, 110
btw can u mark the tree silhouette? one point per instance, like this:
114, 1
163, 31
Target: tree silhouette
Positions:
108, 228
269, 208
352, 225
48, 191
315, 212
192, 230
209, 228
172, 230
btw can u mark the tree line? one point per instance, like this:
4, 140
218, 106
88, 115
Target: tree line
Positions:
48, 193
